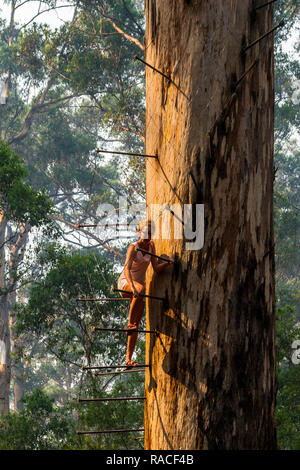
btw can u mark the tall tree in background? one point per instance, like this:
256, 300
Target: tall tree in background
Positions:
23, 206
65, 89
212, 379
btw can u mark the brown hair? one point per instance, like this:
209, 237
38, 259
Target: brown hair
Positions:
143, 223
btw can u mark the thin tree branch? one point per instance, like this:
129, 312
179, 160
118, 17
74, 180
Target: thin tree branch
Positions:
58, 73
105, 180
86, 232
44, 11
30, 115
65, 359
133, 19
120, 31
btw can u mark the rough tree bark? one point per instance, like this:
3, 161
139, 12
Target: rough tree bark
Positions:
211, 384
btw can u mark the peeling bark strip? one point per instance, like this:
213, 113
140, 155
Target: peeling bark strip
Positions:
211, 384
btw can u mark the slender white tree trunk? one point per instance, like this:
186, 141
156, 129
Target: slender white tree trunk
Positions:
4, 327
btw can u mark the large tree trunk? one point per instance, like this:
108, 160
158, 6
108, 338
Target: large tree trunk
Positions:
211, 384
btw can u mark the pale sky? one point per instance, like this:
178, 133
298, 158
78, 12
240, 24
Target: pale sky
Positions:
26, 12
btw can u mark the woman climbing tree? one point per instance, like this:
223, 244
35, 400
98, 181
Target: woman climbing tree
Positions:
132, 279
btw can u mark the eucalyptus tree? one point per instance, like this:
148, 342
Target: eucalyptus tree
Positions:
212, 382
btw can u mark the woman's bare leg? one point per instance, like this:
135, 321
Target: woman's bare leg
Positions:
132, 338
136, 310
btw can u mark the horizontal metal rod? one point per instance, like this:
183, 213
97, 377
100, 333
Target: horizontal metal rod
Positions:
117, 229
151, 254
119, 372
107, 225
111, 367
106, 299
84, 400
114, 289
153, 68
126, 153
111, 431
131, 330
264, 4
264, 35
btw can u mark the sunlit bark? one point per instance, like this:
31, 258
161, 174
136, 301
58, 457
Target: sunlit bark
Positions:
211, 384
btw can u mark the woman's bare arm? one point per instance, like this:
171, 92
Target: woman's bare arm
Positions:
158, 267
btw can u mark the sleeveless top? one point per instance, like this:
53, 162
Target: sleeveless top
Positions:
139, 266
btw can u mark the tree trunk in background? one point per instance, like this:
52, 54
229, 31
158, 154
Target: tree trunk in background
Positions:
19, 387
17, 364
16, 256
4, 328
212, 379
8, 282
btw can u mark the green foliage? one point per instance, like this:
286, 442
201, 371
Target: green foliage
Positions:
52, 309
94, 95
93, 91
40, 426
287, 204
287, 331
287, 70
18, 200
286, 228
288, 408
64, 327
288, 377
112, 415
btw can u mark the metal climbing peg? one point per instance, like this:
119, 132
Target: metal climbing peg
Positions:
126, 153
279, 25
114, 289
108, 431
264, 4
152, 254
124, 330
104, 299
87, 400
